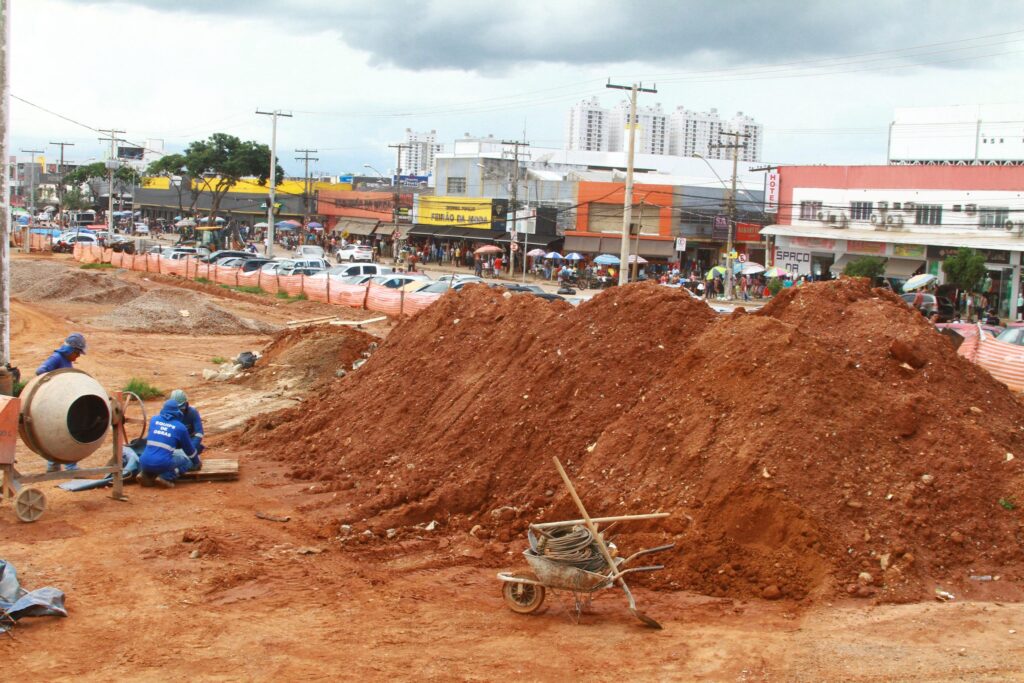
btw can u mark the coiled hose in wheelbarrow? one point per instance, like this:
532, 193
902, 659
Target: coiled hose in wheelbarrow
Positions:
575, 547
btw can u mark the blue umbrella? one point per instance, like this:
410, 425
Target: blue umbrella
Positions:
607, 260
284, 225
553, 255
314, 225
573, 257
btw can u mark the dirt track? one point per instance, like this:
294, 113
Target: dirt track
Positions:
274, 601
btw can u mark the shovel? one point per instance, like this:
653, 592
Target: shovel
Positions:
615, 575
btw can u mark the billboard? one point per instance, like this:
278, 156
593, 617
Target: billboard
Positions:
379, 205
796, 262
455, 212
771, 193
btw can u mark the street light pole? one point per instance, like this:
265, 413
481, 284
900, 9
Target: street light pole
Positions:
735, 147
627, 204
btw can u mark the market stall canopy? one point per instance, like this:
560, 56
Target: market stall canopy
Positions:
535, 253
261, 225
488, 249
775, 271
633, 258
902, 267
573, 257
185, 223
919, 281
357, 226
607, 260
314, 225
553, 255
717, 271
752, 268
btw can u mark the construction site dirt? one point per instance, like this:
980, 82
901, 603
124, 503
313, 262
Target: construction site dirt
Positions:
828, 463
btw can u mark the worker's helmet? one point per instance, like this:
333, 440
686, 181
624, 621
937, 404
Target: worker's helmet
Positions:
179, 397
76, 341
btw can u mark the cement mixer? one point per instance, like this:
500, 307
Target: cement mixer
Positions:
62, 416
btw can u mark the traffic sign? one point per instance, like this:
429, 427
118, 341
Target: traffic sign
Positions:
743, 258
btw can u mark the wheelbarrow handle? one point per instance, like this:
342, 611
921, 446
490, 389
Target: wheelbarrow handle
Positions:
649, 551
637, 570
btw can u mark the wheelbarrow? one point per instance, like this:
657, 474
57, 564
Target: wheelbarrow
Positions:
575, 571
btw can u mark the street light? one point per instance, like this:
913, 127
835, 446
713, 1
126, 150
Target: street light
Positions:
376, 171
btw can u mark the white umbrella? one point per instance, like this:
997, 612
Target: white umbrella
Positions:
752, 268
260, 225
185, 223
633, 258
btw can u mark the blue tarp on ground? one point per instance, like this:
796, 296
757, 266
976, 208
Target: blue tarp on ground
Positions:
129, 463
16, 602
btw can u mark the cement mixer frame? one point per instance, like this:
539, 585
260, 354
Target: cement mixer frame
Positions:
30, 503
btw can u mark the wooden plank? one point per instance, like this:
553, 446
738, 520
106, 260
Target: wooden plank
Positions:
214, 469
357, 323
310, 321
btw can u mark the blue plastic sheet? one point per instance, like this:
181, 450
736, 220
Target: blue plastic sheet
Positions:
16, 602
131, 469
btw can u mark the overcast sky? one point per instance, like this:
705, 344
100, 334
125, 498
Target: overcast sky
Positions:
823, 77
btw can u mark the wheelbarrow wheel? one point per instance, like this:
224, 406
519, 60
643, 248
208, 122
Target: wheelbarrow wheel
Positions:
29, 504
523, 598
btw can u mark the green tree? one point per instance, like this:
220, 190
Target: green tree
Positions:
220, 161
865, 266
92, 175
965, 269
174, 166
75, 200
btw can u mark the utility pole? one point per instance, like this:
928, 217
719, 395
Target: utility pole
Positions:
112, 164
60, 185
396, 186
735, 146
514, 193
5, 188
306, 189
627, 204
272, 178
32, 181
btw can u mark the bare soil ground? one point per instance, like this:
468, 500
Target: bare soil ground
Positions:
265, 600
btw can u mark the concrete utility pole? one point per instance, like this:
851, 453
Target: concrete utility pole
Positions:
306, 185
33, 177
60, 184
272, 178
397, 188
112, 165
735, 146
627, 204
514, 193
5, 188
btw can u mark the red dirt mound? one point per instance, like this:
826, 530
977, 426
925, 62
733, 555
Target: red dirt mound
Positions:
309, 355
832, 442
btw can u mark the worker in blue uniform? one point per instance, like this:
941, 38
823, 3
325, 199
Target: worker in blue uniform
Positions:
63, 357
190, 418
169, 451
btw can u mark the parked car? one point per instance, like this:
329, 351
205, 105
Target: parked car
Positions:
141, 229
353, 252
1012, 335
253, 264
932, 305
216, 256
396, 280
274, 267
360, 269
309, 251
441, 287
66, 243
529, 289
305, 266
356, 279
458, 277
231, 262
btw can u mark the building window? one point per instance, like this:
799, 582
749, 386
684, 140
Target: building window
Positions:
992, 217
860, 211
929, 214
809, 210
456, 185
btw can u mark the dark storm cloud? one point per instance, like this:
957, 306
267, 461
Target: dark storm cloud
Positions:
482, 36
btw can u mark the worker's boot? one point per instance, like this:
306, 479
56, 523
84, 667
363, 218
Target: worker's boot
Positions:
160, 481
146, 479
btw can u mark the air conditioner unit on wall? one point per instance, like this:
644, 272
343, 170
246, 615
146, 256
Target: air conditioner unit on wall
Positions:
822, 216
896, 206
1009, 225
844, 220
876, 219
882, 206
957, 207
971, 209
831, 218
908, 206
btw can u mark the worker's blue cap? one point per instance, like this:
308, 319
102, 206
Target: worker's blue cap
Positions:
76, 340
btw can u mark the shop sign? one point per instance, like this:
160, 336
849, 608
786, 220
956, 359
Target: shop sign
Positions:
680, 244
861, 247
991, 255
796, 261
908, 250
817, 243
771, 193
748, 232
453, 212
720, 228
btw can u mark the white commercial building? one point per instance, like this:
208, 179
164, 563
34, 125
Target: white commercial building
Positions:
964, 135
586, 127
419, 152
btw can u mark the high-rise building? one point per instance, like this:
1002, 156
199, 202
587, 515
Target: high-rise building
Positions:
651, 133
418, 155
693, 132
586, 127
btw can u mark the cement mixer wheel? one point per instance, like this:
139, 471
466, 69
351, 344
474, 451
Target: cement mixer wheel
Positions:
29, 504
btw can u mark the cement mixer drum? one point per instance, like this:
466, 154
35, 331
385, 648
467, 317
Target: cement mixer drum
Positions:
65, 415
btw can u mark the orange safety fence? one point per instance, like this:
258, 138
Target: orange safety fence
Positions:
1003, 360
370, 296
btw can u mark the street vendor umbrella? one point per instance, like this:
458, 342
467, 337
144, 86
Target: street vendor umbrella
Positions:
919, 281
218, 219
488, 249
633, 258
607, 260
314, 225
573, 257
553, 255
717, 271
294, 223
185, 223
535, 253
261, 225
775, 271
284, 225
752, 268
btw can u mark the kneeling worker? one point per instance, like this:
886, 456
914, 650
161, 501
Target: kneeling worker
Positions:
190, 418
169, 451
